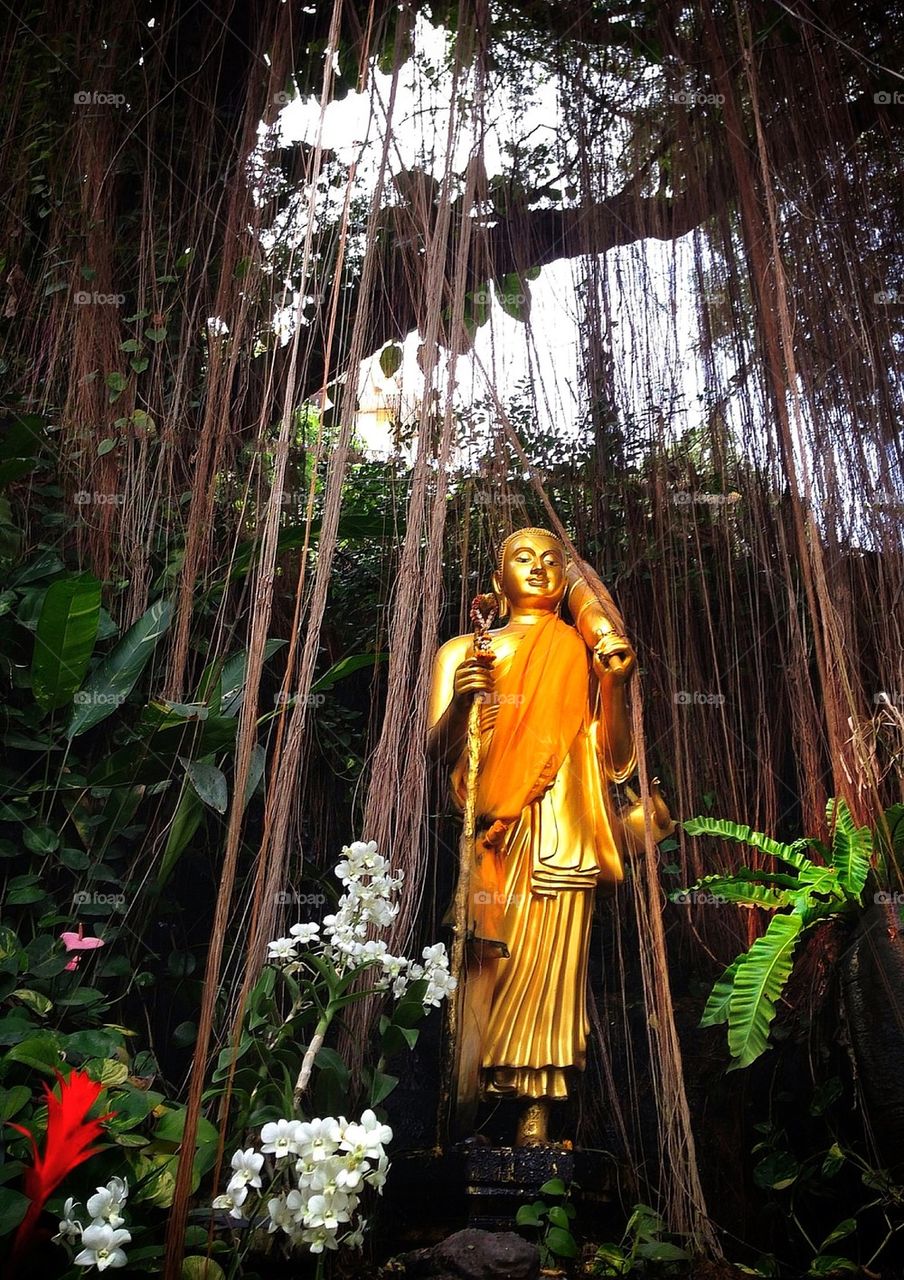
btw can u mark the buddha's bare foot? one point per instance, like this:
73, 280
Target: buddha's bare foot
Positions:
533, 1123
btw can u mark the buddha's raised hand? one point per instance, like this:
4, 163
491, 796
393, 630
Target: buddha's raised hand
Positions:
615, 659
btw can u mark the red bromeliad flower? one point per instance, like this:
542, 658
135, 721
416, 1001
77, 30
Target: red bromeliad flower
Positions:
68, 1143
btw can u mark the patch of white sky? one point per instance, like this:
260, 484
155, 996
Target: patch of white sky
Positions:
654, 334
651, 337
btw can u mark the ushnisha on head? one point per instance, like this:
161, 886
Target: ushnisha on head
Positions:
531, 572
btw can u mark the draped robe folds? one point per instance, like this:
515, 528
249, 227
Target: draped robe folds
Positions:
545, 843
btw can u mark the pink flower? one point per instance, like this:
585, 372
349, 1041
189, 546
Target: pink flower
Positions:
78, 942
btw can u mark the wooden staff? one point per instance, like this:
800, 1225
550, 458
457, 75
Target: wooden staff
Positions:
483, 611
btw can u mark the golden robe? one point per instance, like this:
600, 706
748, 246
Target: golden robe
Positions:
547, 842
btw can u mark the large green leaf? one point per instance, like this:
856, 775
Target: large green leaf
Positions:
344, 667
739, 890
154, 758
22, 439
758, 983
208, 782
776, 1171
64, 639
841, 1232
561, 1243
114, 678
513, 295
194, 1267
793, 854
774, 879
852, 847
14, 469
662, 1251
821, 894
719, 1002
391, 359
22, 436
185, 823
222, 683
44, 563
816, 879
13, 1207
256, 766
40, 1051
830, 1264
234, 674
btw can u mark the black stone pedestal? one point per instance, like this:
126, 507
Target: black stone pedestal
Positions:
434, 1193
501, 1179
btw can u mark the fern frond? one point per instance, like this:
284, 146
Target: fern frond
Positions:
758, 983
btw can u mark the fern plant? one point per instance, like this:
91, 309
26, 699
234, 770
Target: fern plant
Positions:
801, 891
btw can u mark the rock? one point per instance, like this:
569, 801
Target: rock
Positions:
477, 1255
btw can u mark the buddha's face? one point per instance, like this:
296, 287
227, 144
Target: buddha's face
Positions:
533, 572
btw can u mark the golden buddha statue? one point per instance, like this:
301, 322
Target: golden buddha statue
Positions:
554, 735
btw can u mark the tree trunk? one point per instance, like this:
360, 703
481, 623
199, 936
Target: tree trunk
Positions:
872, 978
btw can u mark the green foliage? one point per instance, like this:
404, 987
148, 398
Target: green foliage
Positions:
834, 1182
22, 446
550, 1220
851, 849
889, 843
286, 1008
391, 359
279, 1066
84, 746
792, 854
642, 1250
116, 675
759, 981
746, 995
64, 639
51, 1020
92, 771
